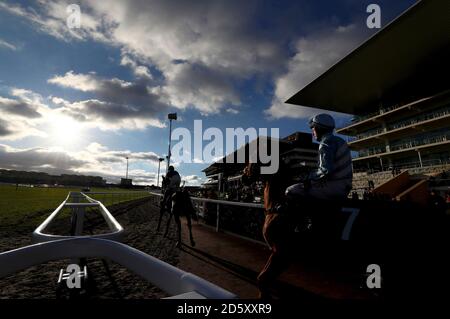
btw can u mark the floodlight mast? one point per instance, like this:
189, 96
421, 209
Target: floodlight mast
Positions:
171, 116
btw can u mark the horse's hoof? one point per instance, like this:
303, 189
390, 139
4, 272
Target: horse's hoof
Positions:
192, 243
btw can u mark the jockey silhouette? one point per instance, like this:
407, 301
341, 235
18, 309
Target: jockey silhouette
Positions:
333, 177
171, 184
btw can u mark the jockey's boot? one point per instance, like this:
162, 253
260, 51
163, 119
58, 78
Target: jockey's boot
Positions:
264, 291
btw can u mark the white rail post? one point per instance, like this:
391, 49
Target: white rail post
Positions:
78, 212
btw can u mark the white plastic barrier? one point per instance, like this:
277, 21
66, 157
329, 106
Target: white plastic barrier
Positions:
79, 210
170, 279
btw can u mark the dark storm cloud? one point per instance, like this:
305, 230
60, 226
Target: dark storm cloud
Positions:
120, 156
115, 99
4, 129
36, 158
20, 108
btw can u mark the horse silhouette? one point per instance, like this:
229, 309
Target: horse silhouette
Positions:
401, 237
179, 204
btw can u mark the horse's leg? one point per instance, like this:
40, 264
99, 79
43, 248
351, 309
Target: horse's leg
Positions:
178, 222
273, 232
274, 266
189, 223
161, 213
168, 223
169, 208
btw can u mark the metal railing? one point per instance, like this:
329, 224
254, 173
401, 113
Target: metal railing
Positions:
425, 164
419, 142
372, 151
422, 118
383, 110
78, 213
168, 278
397, 125
380, 111
199, 205
405, 145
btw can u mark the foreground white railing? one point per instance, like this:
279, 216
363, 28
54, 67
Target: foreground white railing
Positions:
54, 247
78, 211
168, 278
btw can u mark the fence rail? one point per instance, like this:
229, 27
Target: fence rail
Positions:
168, 278
78, 213
197, 201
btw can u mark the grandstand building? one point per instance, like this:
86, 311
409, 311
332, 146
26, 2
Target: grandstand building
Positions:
296, 150
396, 85
412, 135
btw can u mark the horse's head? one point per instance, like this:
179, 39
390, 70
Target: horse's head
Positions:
251, 173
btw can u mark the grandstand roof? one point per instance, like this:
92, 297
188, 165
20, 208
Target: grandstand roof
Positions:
230, 166
404, 61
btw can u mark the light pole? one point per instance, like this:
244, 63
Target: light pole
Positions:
171, 116
126, 176
159, 165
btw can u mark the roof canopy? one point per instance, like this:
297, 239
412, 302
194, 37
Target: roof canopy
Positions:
406, 60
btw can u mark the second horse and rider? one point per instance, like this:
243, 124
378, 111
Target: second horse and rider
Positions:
177, 202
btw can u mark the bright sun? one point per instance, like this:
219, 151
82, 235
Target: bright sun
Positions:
65, 131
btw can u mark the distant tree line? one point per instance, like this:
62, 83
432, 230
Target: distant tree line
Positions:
22, 177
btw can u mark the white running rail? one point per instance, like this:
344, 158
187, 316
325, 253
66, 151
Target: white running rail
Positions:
78, 212
168, 278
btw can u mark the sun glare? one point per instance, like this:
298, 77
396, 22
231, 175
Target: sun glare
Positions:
65, 131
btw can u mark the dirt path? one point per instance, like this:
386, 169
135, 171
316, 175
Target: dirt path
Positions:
109, 280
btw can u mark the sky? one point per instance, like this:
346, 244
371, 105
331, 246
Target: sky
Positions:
79, 100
